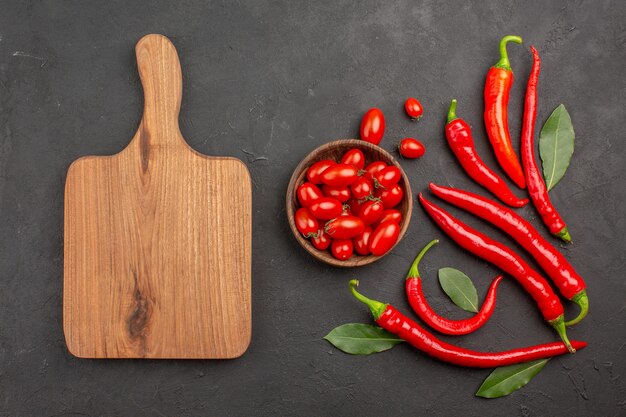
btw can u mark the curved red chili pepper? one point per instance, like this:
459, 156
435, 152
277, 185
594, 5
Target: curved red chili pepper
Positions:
459, 136
418, 302
536, 186
547, 256
497, 91
390, 319
505, 259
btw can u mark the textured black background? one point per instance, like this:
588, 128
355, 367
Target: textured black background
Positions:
268, 82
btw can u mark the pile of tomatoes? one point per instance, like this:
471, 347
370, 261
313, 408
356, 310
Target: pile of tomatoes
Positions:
349, 207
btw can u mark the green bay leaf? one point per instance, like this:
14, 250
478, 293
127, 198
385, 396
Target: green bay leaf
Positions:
556, 145
459, 288
361, 339
506, 379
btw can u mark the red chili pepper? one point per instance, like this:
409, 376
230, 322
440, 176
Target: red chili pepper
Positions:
504, 258
459, 136
551, 260
390, 319
497, 91
536, 186
418, 302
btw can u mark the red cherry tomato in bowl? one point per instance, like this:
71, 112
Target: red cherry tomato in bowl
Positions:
354, 157
361, 188
413, 108
339, 175
384, 237
361, 242
341, 193
390, 197
355, 205
373, 168
314, 173
371, 211
387, 177
342, 249
391, 215
344, 227
307, 193
411, 148
373, 126
321, 241
326, 208
305, 222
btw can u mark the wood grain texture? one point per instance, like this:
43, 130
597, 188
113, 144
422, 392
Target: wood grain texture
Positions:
334, 151
157, 238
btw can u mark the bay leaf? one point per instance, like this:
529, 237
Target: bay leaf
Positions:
506, 379
556, 146
459, 288
361, 339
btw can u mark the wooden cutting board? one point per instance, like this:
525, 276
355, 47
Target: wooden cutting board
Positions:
157, 238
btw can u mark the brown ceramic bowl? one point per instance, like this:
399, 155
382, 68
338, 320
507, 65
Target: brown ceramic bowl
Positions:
335, 150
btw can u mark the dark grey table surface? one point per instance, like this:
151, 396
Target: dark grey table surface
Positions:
268, 82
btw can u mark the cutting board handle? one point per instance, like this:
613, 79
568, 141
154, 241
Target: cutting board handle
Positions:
161, 78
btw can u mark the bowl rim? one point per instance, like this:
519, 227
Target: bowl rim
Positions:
290, 203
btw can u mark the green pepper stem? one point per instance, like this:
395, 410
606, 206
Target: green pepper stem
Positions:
413, 271
559, 326
564, 235
452, 111
376, 307
583, 301
504, 56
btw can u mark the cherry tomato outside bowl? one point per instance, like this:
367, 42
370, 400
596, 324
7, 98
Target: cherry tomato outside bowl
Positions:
413, 108
411, 148
373, 126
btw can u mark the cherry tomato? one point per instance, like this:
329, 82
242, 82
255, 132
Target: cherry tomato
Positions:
344, 227
355, 205
387, 177
373, 126
361, 188
411, 148
413, 108
354, 157
384, 237
390, 197
371, 211
314, 174
342, 249
373, 168
340, 175
391, 215
361, 242
305, 222
341, 193
321, 241
326, 208
307, 193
